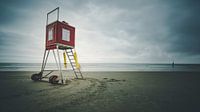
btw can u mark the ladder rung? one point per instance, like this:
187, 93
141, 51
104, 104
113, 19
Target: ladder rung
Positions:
77, 71
73, 66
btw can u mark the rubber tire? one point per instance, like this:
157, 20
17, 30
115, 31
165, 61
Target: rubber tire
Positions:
36, 77
53, 79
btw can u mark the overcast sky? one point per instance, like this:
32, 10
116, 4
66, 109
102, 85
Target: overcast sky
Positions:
111, 31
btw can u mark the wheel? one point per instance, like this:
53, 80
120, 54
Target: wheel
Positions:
53, 79
36, 77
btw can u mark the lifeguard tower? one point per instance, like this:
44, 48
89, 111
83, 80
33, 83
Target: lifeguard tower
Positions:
60, 36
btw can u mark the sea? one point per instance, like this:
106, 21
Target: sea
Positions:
102, 67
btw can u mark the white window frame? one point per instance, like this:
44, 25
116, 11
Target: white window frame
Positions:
50, 34
65, 34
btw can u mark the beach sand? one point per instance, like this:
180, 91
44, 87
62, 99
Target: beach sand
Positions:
103, 92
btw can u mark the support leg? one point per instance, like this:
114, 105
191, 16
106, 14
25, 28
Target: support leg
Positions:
38, 76
45, 62
60, 66
43, 59
55, 59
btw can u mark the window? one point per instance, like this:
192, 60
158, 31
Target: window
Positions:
50, 34
65, 34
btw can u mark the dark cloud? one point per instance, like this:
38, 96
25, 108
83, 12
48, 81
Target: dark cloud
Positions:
15, 47
10, 10
173, 25
184, 25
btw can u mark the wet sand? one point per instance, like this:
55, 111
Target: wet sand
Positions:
103, 92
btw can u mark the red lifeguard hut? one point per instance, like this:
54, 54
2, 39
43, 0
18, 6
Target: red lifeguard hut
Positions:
60, 36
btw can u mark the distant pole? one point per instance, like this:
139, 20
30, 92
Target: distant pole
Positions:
173, 64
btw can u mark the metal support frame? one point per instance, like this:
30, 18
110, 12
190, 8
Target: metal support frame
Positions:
60, 69
70, 55
45, 58
52, 12
58, 63
55, 59
48, 74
